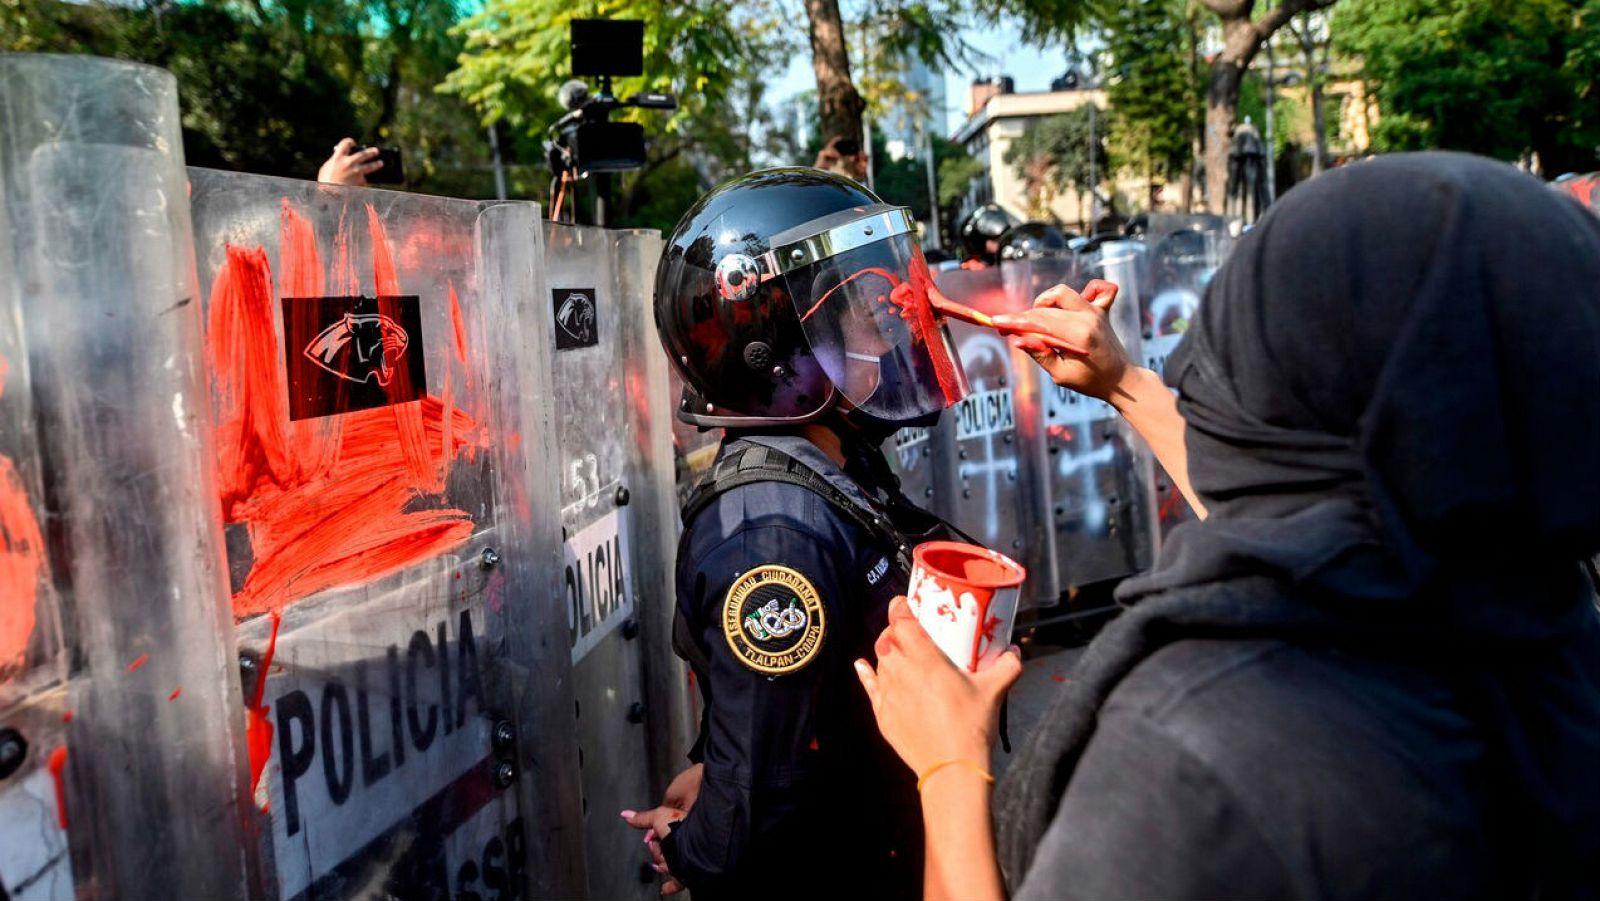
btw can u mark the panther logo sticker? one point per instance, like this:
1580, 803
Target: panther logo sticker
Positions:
360, 347
349, 353
576, 318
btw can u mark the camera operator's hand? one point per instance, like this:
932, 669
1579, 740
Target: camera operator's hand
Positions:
349, 166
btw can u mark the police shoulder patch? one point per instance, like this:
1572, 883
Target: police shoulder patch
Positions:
773, 620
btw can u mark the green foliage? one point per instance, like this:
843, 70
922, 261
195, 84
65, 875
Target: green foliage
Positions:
269, 86
1151, 86
713, 56
1497, 77
1052, 155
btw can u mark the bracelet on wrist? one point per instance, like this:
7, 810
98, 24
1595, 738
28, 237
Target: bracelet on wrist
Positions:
954, 761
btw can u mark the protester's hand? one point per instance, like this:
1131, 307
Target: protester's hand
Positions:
1083, 320
657, 824
349, 166
929, 710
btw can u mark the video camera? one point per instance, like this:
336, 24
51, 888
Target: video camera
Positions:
586, 140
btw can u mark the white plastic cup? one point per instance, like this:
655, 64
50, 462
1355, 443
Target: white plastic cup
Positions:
965, 596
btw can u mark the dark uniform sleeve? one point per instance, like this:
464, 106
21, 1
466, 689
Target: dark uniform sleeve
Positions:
1145, 818
759, 728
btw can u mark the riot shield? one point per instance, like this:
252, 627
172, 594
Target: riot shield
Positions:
123, 782
1095, 476
984, 477
616, 488
380, 382
1183, 253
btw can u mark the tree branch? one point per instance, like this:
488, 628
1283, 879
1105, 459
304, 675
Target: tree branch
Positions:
1230, 9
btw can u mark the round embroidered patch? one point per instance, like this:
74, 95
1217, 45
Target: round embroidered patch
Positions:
773, 620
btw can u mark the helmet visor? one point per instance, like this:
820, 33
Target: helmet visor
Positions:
865, 313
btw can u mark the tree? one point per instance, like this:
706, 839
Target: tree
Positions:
1243, 33
714, 56
1055, 154
1498, 78
1151, 87
269, 86
927, 29
1311, 35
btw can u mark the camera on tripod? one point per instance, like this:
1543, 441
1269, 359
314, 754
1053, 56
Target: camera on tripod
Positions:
586, 140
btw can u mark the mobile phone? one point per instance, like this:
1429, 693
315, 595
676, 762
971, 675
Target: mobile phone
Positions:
392, 173
848, 147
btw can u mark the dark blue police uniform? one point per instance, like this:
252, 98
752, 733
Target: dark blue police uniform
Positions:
780, 589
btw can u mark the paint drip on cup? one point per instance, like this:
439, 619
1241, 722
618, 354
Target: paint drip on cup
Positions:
965, 596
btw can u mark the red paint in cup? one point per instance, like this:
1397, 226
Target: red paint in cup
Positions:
965, 596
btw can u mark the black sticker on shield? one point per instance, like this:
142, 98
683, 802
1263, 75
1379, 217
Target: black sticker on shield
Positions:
344, 354
577, 320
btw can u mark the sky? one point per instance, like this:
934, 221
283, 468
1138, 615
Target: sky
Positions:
1031, 68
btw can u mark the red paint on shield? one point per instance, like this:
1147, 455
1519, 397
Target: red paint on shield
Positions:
258, 729
21, 563
329, 501
58, 773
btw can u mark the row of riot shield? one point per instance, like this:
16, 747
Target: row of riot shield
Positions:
335, 526
1055, 479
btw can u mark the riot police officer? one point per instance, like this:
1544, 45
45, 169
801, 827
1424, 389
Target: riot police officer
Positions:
981, 233
794, 305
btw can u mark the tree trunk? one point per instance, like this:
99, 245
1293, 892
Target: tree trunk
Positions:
840, 103
1241, 38
1222, 110
1319, 156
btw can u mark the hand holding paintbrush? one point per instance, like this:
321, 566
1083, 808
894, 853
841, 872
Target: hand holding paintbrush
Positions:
1063, 318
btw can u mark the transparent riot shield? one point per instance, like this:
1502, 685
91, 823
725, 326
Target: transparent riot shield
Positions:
668, 719
693, 448
611, 408
379, 379
1096, 472
980, 471
128, 784
1183, 252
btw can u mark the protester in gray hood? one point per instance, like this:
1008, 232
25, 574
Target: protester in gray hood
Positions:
1374, 669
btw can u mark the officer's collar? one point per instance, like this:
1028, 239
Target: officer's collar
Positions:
812, 457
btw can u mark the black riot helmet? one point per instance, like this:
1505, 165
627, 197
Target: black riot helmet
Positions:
788, 293
983, 225
1032, 239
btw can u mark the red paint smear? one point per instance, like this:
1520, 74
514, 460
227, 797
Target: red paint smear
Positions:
175, 692
66, 717
258, 729
21, 564
58, 769
1057, 677
325, 500
912, 303
143, 659
458, 325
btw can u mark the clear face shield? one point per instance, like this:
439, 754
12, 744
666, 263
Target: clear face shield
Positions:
860, 287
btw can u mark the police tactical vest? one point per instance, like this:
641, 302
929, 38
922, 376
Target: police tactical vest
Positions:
895, 529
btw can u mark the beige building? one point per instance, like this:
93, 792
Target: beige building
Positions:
996, 117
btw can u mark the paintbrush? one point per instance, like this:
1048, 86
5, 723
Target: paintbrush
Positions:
961, 311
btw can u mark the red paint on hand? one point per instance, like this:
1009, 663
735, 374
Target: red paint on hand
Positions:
58, 769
